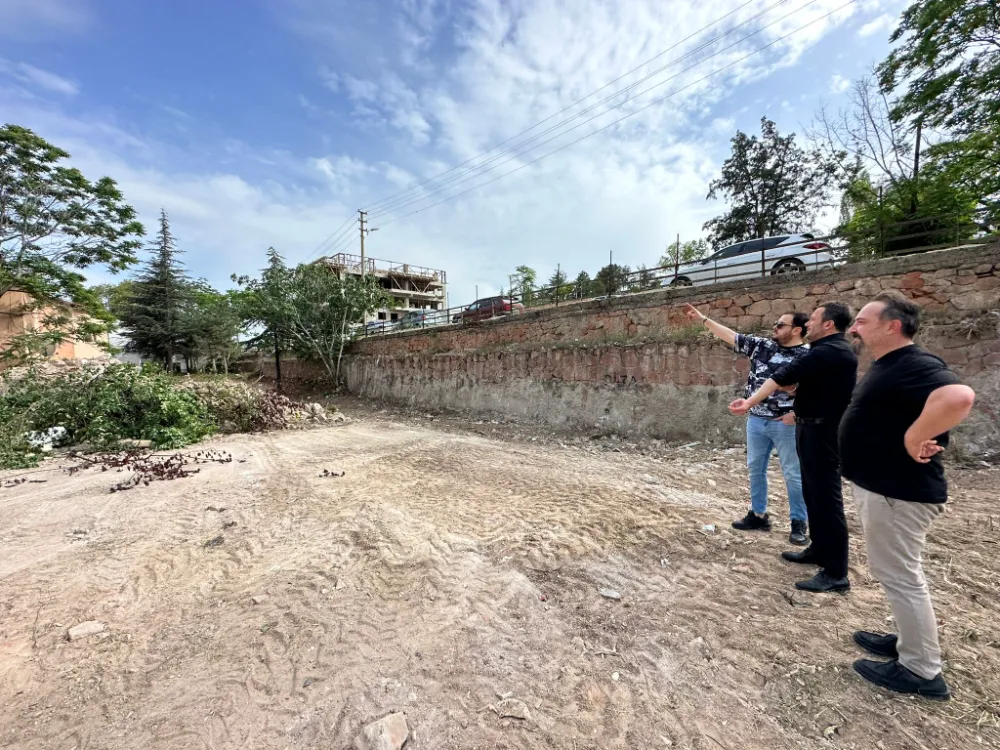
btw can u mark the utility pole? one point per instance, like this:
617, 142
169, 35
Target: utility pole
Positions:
916, 167
361, 223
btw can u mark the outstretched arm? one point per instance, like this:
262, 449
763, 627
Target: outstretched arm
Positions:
718, 330
742, 405
945, 408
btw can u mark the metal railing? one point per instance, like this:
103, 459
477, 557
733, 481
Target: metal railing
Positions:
818, 253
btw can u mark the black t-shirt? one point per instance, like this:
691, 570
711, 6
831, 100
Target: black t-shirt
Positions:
887, 401
825, 376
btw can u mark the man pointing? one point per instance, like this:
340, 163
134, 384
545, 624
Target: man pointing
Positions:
825, 377
771, 424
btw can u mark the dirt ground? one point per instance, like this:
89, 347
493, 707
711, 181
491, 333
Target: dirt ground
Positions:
448, 570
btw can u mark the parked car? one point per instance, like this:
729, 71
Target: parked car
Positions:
490, 307
787, 253
379, 326
417, 319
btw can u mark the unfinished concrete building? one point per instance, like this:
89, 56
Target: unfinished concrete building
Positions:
412, 287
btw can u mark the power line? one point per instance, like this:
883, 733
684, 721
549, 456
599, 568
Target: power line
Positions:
393, 205
374, 206
338, 233
625, 117
634, 96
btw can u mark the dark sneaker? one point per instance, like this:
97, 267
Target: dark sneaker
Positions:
752, 522
798, 535
805, 557
878, 644
894, 676
821, 583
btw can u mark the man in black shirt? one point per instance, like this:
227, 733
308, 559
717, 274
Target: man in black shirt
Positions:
824, 379
890, 439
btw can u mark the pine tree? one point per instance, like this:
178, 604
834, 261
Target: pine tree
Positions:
154, 319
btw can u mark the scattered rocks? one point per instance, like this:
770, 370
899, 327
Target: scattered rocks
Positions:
259, 599
85, 630
389, 733
708, 528
217, 541
512, 708
610, 594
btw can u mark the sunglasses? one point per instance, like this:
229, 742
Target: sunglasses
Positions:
779, 325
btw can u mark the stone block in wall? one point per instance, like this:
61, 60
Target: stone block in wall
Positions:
796, 292
761, 307
912, 280
749, 322
743, 301
869, 287
964, 280
819, 288
844, 285
976, 300
987, 283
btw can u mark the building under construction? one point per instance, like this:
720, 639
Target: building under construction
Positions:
412, 287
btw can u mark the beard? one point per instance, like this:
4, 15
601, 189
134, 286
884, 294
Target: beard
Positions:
857, 344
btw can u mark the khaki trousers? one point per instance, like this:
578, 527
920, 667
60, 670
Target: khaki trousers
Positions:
895, 531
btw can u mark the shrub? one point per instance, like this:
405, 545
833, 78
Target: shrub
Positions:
98, 406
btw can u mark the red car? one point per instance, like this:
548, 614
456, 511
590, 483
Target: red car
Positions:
490, 307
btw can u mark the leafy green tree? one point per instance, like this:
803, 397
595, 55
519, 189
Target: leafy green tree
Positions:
688, 252
773, 187
154, 317
643, 279
523, 284
310, 310
261, 306
582, 285
211, 325
55, 223
558, 287
611, 279
947, 66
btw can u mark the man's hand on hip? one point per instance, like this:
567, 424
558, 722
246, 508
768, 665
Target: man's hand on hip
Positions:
921, 451
789, 418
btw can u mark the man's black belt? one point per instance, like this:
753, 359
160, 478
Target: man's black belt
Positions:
809, 420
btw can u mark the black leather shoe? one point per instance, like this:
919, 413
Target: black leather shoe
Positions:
821, 583
877, 643
894, 676
798, 534
805, 557
752, 522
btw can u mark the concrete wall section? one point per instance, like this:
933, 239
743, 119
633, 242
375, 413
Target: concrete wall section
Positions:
660, 390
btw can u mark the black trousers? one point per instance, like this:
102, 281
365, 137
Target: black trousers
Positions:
819, 459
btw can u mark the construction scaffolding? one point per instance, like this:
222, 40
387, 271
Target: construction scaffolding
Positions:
413, 288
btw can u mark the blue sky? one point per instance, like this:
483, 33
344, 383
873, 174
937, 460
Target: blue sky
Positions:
269, 122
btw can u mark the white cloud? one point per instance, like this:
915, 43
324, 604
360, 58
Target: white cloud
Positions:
881, 25
36, 78
839, 84
630, 189
27, 19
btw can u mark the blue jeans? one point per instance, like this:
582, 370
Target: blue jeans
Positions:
763, 436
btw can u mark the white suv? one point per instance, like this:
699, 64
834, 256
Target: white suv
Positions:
753, 259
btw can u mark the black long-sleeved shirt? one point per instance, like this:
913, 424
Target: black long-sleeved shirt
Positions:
825, 377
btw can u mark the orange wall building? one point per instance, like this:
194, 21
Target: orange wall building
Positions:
14, 320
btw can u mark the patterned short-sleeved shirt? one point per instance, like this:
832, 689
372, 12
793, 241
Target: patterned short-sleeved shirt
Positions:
767, 356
